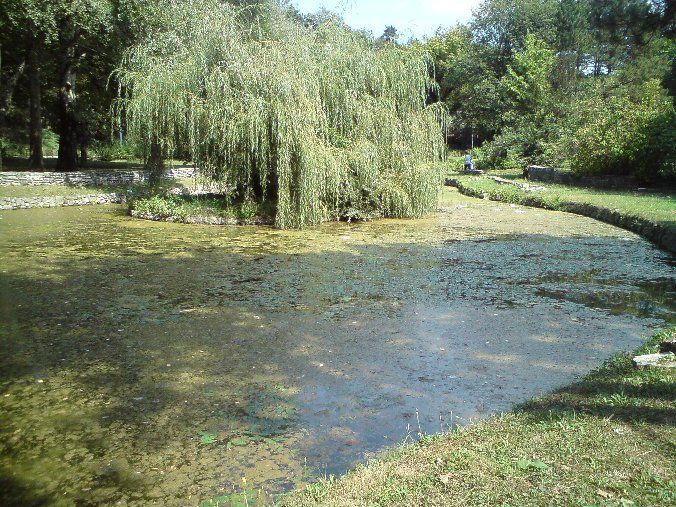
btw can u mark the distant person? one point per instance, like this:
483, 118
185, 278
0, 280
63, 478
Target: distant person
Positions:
469, 164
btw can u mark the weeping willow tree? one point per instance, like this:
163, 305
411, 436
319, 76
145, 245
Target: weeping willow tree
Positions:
320, 121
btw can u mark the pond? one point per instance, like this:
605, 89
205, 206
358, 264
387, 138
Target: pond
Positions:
162, 363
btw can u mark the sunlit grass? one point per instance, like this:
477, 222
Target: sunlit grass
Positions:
649, 204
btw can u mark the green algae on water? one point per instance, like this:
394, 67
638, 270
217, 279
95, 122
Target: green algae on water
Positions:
137, 356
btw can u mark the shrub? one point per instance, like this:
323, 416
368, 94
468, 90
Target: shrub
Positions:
183, 207
115, 150
50, 143
160, 206
623, 135
14, 143
523, 143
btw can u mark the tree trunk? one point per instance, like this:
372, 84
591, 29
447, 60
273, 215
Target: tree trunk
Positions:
84, 156
155, 164
35, 160
597, 65
8, 92
6, 97
2, 114
66, 115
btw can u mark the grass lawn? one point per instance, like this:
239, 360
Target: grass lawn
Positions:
658, 207
608, 440
54, 190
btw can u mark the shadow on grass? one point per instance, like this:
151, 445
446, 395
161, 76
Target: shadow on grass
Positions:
616, 391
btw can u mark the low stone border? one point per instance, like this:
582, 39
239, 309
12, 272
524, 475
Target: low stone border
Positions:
7, 203
203, 220
526, 187
91, 177
661, 235
554, 175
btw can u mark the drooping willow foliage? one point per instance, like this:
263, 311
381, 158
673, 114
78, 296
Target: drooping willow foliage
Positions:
319, 120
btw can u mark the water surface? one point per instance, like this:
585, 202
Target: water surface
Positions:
162, 363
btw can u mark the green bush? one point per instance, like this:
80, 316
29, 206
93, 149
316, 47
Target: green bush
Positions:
115, 150
14, 143
50, 143
623, 135
503, 152
517, 146
182, 207
10, 148
160, 206
657, 157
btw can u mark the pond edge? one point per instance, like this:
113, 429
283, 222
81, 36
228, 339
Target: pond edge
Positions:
660, 235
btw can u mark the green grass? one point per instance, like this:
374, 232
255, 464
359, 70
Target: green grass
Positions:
655, 206
54, 190
608, 440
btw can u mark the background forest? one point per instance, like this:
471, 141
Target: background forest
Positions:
581, 84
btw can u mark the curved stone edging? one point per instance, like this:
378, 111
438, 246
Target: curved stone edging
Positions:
202, 220
662, 236
8, 203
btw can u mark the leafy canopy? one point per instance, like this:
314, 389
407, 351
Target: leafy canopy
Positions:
319, 120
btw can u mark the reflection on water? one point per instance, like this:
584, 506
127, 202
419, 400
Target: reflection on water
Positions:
161, 363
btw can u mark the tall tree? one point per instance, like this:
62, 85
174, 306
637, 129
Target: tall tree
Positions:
7, 87
573, 37
35, 159
28, 26
81, 27
318, 121
467, 84
390, 35
527, 82
621, 28
502, 26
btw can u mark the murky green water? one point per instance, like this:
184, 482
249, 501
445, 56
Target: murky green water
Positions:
161, 363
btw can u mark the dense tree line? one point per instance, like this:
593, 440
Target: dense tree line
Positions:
584, 84
57, 57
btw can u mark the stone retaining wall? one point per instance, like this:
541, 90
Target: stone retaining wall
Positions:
548, 174
553, 175
56, 201
88, 178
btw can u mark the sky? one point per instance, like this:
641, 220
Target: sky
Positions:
412, 18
